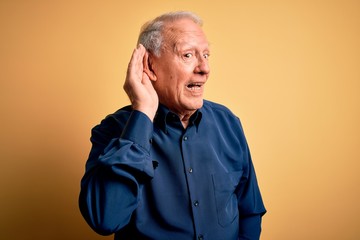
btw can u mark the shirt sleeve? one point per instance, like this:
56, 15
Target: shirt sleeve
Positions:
251, 207
250, 228
250, 203
119, 163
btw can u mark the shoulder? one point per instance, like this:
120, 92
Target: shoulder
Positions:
120, 115
113, 123
217, 110
222, 121
220, 116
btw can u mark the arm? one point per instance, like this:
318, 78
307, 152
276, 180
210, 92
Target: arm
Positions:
251, 207
250, 203
250, 227
115, 173
119, 161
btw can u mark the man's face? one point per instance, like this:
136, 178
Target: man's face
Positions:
182, 68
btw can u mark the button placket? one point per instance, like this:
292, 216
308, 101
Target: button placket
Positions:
195, 204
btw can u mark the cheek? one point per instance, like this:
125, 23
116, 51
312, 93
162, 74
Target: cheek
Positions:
184, 73
174, 76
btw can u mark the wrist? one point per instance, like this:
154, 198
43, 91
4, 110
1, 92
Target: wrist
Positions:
138, 129
150, 112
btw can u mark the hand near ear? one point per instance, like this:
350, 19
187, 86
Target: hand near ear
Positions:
138, 84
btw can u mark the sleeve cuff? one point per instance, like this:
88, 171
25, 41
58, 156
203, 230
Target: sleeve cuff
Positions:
138, 129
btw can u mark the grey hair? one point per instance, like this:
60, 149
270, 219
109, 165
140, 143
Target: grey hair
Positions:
151, 33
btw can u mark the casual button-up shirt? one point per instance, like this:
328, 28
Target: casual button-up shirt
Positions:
157, 180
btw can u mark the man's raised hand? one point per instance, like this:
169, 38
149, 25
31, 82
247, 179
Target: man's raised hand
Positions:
138, 86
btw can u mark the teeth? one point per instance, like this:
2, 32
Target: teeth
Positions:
194, 85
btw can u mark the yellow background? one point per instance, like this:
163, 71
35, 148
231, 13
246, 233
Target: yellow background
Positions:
289, 69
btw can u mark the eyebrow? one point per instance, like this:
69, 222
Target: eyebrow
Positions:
178, 44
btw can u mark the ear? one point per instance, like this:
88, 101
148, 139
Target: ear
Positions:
147, 65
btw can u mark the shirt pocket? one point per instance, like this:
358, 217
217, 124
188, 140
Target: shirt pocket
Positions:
225, 197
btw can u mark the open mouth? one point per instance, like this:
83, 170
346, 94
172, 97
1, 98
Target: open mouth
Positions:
195, 86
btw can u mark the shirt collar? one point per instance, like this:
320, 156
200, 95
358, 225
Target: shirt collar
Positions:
164, 116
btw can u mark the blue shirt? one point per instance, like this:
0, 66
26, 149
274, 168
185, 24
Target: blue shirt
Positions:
157, 180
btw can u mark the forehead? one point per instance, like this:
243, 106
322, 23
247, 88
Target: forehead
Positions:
184, 32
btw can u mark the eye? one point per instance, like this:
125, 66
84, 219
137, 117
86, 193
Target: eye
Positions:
188, 55
206, 55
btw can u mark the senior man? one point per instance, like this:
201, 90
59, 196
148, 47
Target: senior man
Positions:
172, 165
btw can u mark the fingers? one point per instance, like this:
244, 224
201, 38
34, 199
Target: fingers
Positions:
135, 67
145, 62
146, 67
136, 75
137, 84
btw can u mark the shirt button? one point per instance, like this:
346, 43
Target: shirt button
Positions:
196, 203
200, 237
190, 170
185, 138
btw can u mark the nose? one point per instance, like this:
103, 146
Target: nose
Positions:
202, 67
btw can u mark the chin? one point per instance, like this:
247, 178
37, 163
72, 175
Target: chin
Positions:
195, 105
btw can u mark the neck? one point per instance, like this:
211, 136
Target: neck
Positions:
185, 121
185, 117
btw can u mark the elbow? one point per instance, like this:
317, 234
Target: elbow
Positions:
106, 227
102, 229
99, 225
93, 220
102, 223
